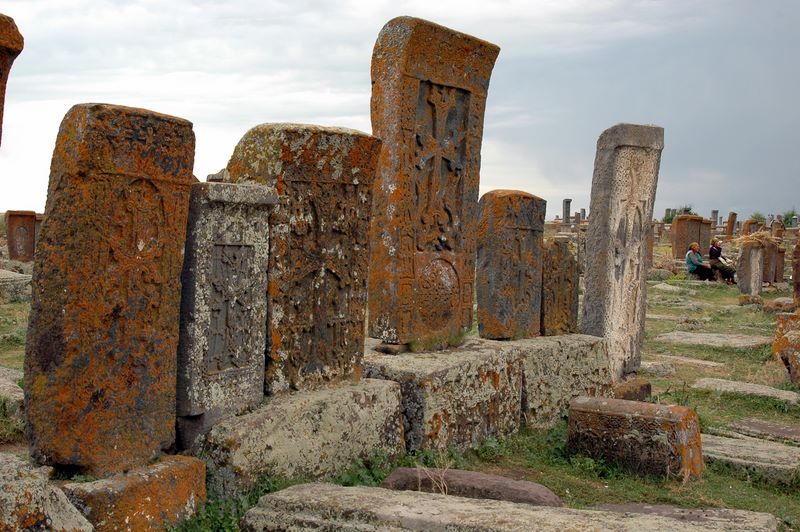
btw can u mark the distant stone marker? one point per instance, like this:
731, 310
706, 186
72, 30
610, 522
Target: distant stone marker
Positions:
428, 99
224, 305
623, 191
730, 226
749, 268
796, 273
688, 228
749, 226
100, 361
21, 232
509, 270
559, 288
11, 44
319, 246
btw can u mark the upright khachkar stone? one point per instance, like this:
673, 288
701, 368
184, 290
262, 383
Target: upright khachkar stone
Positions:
566, 204
560, 282
780, 265
796, 273
100, 360
704, 236
580, 244
223, 306
21, 234
749, 226
686, 228
714, 216
749, 268
509, 271
319, 246
11, 44
429, 87
770, 271
730, 226
583, 215
623, 192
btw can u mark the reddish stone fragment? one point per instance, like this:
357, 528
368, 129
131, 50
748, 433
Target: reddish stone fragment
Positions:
729, 227
559, 288
100, 362
146, 498
635, 389
509, 273
21, 232
319, 246
642, 437
11, 44
769, 273
687, 228
749, 226
796, 273
429, 86
780, 265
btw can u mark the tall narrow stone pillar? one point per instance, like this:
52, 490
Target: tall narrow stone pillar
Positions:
565, 216
714, 217
623, 191
429, 88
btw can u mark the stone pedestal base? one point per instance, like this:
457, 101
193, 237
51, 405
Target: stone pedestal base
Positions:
310, 434
145, 498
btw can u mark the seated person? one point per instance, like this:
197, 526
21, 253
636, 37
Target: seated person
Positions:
719, 262
695, 264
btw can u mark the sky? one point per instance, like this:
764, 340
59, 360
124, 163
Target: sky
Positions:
721, 77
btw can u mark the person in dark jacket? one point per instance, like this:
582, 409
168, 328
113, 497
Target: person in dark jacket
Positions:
719, 262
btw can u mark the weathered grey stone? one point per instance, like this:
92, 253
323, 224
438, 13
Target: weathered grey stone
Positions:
737, 519
470, 484
223, 305
737, 341
623, 191
767, 430
746, 388
559, 368
29, 502
363, 509
457, 397
312, 434
749, 268
664, 287
779, 304
771, 461
659, 369
11, 395
509, 266
14, 286
657, 274
319, 246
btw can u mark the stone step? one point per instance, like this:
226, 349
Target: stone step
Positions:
773, 462
330, 507
746, 388
738, 341
691, 361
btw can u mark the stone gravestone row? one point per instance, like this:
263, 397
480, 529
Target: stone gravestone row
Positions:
428, 99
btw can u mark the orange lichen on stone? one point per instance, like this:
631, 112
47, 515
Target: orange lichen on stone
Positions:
21, 231
645, 438
559, 288
146, 498
429, 87
509, 269
100, 362
11, 44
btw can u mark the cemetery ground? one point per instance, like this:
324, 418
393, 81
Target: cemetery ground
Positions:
540, 456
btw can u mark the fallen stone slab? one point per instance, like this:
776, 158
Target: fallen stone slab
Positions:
769, 461
664, 287
658, 369
366, 509
738, 519
658, 274
28, 501
470, 484
691, 361
767, 430
714, 339
641, 437
746, 388
145, 498
313, 434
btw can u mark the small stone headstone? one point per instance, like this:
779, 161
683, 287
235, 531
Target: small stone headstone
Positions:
749, 268
509, 270
559, 288
21, 233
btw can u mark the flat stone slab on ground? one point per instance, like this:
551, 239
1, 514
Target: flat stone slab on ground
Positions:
771, 461
471, 484
311, 434
692, 361
746, 388
659, 369
664, 287
767, 430
741, 519
714, 339
331, 507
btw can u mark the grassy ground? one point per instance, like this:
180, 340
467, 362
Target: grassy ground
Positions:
539, 455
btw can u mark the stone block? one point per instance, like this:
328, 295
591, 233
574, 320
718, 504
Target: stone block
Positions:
701, 517
145, 498
559, 368
686, 228
471, 484
559, 288
623, 191
429, 89
771, 462
319, 246
28, 501
21, 234
312, 434
735, 341
223, 305
509, 270
635, 389
11, 44
746, 388
366, 509
458, 397
642, 437
100, 361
